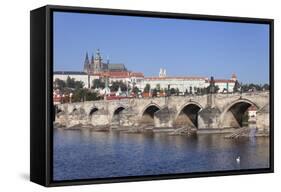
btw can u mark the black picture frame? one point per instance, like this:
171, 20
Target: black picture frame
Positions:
41, 82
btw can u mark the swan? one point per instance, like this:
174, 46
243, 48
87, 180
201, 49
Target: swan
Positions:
238, 159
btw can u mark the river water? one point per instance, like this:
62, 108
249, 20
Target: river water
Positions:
87, 154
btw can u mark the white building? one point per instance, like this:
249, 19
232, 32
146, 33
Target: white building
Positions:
127, 77
226, 85
137, 79
182, 83
186, 83
78, 76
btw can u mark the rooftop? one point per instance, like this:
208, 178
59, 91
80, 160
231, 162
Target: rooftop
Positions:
114, 67
224, 81
69, 73
122, 74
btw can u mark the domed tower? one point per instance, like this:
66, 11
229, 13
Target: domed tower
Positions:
97, 62
233, 77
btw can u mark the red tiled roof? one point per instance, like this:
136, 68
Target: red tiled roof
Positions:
221, 81
121, 74
224, 81
136, 74
178, 77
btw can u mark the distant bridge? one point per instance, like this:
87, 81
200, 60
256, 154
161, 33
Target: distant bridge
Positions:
207, 112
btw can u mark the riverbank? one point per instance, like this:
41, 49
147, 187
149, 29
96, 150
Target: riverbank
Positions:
231, 133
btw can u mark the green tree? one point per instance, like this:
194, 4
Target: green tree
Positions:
78, 95
135, 90
59, 84
195, 90
154, 92
71, 83
172, 90
205, 90
266, 87
236, 87
255, 87
146, 88
78, 84
177, 91
98, 84
199, 91
84, 95
158, 87
217, 88
91, 96
244, 87
115, 86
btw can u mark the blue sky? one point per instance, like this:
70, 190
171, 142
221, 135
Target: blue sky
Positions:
182, 47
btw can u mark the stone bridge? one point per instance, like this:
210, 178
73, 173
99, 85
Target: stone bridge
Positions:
213, 112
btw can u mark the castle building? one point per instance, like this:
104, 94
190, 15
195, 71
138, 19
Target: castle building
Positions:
96, 65
97, 69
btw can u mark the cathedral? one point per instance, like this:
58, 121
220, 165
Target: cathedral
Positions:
96, 65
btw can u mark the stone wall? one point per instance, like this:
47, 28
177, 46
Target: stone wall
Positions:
263, 119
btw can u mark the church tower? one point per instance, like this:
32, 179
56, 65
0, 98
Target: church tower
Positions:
92, 60
97, 62
233, 77
87, 64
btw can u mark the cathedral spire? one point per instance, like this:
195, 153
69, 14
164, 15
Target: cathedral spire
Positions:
86, 59
92, 58
86, 63
98, 66
107, 60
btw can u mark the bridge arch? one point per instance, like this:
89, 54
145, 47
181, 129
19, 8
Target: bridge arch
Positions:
73, 111
91, 114
234, 113
56, 112
147, 114
116, 115
187, 115
59, 111
118, 109
93, 110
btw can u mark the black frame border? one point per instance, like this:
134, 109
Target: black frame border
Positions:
47, 159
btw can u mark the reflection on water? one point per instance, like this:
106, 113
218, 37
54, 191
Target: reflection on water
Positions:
87, 154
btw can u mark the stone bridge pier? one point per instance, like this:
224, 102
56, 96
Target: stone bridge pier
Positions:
207, 113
